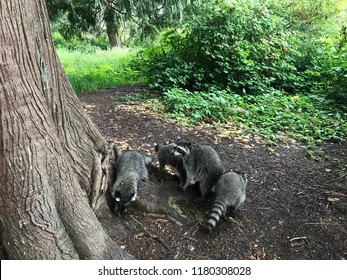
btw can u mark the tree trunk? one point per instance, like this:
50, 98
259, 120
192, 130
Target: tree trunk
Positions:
53, 160
111, 25
113, 37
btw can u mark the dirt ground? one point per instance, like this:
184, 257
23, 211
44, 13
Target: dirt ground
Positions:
296, 205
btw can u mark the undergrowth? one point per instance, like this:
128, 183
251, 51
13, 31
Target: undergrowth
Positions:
275, 116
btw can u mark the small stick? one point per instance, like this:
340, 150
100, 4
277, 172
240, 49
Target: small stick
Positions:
170, 218
298, 238
178, 251
299, 241
333, 224
191, 239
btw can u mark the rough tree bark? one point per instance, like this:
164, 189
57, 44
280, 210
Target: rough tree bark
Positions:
112, 35
52, 158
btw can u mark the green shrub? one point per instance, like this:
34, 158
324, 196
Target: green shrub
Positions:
311, 119
332, 66
199, 106
240, 46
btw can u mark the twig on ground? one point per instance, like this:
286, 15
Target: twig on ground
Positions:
298, 238
326, 224
170, 218
178, 251
298, 241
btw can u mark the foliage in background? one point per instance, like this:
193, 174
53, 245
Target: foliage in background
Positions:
249, 47
274, 116
246, 48
117, 19
314, 17
330, 71
263, 66
323, 25
266, 67
82, 44
99, 69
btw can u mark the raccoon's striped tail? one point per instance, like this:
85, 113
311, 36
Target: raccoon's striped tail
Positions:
218, 210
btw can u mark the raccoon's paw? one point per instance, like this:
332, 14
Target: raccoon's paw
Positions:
116, 211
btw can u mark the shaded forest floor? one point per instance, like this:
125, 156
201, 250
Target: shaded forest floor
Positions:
296, 205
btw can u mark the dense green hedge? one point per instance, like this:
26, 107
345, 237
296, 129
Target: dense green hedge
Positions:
248, 48
245, 48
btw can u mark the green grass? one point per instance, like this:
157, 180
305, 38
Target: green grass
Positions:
100, 69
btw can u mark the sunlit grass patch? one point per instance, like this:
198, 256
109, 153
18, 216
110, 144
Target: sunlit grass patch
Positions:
99, 69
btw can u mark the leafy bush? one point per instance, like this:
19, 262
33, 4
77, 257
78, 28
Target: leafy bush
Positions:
199, 106
274, 115
243, 47
332, 68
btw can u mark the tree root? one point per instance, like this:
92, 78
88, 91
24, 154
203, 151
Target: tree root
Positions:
100, 175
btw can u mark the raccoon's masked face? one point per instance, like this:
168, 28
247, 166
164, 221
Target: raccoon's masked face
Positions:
122, 203
181, 150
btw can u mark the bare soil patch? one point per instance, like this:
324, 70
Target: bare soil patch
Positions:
296, 205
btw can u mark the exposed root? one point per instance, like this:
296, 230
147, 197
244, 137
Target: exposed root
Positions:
100, 176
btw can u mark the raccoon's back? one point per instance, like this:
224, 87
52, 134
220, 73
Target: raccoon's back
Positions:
232, 188
131, 162
204, 159
230, 193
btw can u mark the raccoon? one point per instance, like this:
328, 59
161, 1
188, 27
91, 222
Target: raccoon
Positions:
130, 170
230, 193
201, 163
165, 156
